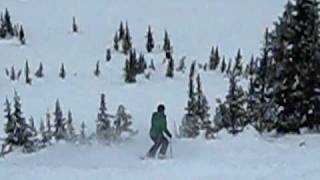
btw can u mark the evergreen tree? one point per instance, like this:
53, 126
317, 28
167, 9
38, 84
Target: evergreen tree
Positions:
182, 65
2, 27
223, 65
19, 132
18, 74
45, 133
150, 41
238, 64
258, 102
121, 31
141, 64
252, 65
7, 72
74, 25
21, 37
60, 131
103, 127
62, 73
108, 55
13, 74
32, 141
39, 72
231, 113
42, 131
202, 110
126, 41
70, 131
116, 41
49, 127
170, 68
190, 123
166, 44
10, 125
27, 73
295, 58
83, 136
8, 24
130, 70
97, 71
214, 59
123, 123
228, 71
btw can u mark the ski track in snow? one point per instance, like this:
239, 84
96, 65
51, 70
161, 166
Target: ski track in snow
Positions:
194, 26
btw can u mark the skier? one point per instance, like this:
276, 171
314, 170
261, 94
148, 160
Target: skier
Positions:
158, 127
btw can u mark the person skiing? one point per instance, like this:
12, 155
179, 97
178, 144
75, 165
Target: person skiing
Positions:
157, 130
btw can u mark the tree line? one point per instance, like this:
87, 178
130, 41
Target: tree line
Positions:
23, 133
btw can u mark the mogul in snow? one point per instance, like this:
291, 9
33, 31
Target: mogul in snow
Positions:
157, 130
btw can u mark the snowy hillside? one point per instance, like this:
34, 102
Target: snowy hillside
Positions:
193, 26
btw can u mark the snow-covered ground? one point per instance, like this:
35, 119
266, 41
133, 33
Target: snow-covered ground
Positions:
194, 26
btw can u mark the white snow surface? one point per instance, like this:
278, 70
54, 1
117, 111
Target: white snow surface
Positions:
194, 26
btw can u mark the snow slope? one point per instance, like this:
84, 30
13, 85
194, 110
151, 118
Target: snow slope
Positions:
194, 26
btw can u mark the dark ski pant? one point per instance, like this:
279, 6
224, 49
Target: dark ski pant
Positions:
158, 142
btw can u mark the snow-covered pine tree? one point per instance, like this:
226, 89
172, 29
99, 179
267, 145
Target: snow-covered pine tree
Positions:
202, 110
104, 130
45, 133
19, 74
228, 71
121, 31
49, 127
257, 100
70, 131
130, 70
126, 41
7, 20
141, 64
83, 135
62, 73
9, 129
8, 25
190, 123
214, 58
6, 70
182, 65
28, 80
97, 71
231, 114
150, 41
166, 43
116, 41
237, 69
252, 65
295, 56
39, 72
123, 123
32, 141
170, 68
22, 38
108, 54
19, 132
75, 28
42, 133
59, 131
223, 65
12, 74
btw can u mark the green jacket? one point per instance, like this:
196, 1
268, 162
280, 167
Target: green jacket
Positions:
159, 125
